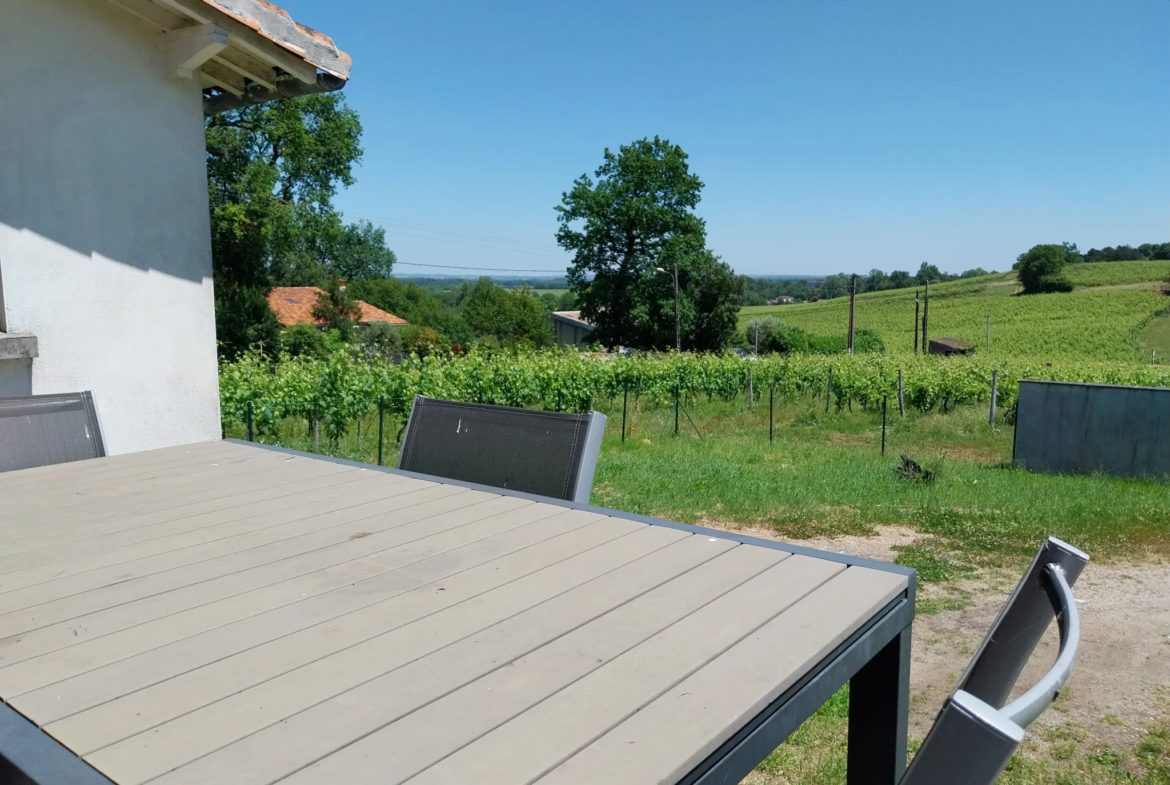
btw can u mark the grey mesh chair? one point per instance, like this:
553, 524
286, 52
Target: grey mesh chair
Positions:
38, 430
544, 453
978, 730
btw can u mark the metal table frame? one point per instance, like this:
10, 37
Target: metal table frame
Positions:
874, 661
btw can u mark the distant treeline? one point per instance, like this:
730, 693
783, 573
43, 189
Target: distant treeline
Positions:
759, 291
1126, 253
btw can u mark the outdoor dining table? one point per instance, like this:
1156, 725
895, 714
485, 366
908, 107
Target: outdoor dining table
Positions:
226, 612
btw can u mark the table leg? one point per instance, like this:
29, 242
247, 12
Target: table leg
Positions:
879, 705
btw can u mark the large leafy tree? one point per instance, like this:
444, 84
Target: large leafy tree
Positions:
636, 218
273, 171
1041, 269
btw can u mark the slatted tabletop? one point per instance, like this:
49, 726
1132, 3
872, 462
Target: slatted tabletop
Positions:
225, 613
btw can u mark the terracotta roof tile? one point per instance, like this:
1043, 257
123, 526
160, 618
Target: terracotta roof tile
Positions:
294, 304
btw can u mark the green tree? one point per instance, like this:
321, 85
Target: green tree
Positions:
1040, 269
636, 218
273, 171
513, 318
337, 308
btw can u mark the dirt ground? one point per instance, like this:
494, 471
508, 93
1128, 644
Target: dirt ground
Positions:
1121, 681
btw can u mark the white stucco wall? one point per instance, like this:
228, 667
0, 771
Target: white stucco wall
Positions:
105, 250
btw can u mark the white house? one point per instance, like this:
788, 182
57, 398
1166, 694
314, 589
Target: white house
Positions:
105, 249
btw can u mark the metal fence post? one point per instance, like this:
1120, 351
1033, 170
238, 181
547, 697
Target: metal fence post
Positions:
676, 392
625, 397
381, 417
250, 421
901, 397
884, 398
316, 432
994, 392
829, 391
771, 404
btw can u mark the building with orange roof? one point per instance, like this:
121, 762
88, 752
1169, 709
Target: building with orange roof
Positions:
294, 305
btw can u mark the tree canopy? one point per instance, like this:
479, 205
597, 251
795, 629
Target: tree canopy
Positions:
273, 171
637, 219
1040, 269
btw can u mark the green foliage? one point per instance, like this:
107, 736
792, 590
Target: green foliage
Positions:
542, 379
636, 219
272, 171
337, 308
415, 304
382, 340
304, 340
1041, 268
512, 318
1117, 273
425, 342
776, 336
243, 319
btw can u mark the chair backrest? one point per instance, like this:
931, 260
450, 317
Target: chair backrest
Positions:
544, 453
977, 730
38, 430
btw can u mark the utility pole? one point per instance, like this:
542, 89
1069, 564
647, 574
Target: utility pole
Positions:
916, 324
852, 307
925, 318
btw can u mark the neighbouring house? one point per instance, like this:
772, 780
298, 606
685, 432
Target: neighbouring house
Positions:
571, 329
105, 247
294, 305
783, 299
948, 346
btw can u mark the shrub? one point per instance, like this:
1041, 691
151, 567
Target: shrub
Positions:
382, 340
304, 340
426, 342
1041, 269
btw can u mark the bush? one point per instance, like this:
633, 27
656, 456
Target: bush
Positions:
1041, 269
382, 340
426, 342
304, 340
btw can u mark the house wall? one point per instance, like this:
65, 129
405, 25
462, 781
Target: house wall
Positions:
105, 251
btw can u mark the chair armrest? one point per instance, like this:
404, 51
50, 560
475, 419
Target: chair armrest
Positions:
1026, 708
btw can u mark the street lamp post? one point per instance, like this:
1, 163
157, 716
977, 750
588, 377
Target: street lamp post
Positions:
677, 331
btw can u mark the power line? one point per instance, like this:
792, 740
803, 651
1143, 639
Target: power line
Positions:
483, 269
458, 233
541, 254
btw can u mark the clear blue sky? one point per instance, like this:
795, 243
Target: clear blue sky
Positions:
835, 136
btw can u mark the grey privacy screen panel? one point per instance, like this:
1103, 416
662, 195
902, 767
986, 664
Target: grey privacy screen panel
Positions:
1082, 428
39, 430
544, 453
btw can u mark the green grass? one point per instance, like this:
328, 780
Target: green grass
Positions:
1117, 273
1088, 324
1155, 337
824, 476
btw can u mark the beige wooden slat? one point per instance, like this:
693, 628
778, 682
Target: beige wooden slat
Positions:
263, 485
275, 500
143, 558
587, 708
63, 663
607, 659
667, 739
89, 475
41, 504
24, 614
77, 475
75, 494
218, 481
561, 551
48, 654
26, 477
282, 748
